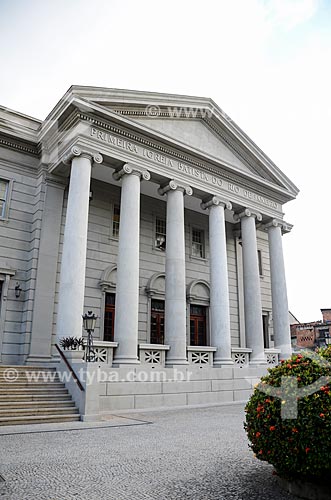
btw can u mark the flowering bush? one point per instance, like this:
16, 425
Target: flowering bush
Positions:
301, 446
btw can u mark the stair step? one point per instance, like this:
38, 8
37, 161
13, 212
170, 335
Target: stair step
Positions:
33, 385
37, 395
36, 404
33, 397
23, 368
19, 412
43, 419
30, 391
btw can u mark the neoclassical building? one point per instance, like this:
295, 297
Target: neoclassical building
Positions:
156, 212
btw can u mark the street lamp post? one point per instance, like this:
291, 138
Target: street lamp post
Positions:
89, 320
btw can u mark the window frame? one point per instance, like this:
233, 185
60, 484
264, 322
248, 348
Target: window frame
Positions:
112, 234
203, 243
5, 212
156, 232
260, 262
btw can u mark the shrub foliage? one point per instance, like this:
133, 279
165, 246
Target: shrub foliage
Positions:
301, 446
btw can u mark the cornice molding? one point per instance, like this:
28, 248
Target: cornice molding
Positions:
19, 146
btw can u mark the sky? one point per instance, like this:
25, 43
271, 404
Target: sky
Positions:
266, 63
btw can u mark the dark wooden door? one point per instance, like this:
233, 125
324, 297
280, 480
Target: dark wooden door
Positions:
198, 326
109, 321
157, 322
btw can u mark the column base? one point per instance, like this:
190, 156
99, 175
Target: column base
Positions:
170, 363
119, 362
218, 363
258, 362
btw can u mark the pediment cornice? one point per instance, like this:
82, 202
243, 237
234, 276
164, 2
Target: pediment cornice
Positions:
145, 137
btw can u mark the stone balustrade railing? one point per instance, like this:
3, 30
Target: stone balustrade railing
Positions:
153, 354
200, 355
272, 356
104, 351
240, 356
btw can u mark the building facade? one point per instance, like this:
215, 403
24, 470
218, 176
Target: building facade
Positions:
312, 335
154, 211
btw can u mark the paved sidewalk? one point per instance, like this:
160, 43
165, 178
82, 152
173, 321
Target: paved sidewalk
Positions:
199, 454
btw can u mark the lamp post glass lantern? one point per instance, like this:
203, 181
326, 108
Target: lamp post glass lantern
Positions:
327, 338
89, 320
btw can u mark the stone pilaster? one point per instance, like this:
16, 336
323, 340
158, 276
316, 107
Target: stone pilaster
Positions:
72, 279
127, 289
175, 285
281, 327
220, 331
252, 291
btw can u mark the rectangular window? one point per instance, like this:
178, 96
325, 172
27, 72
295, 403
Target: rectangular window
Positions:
259, 255
109, 321
198, 326
160, 234
198, 249
116, 221
3, 196
157, 322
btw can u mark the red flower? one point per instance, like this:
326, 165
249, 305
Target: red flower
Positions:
258, 434
322, 415
272, 427
295, 429
307, 450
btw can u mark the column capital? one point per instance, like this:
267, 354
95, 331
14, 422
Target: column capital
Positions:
129, 169
248, 213
173, 185
215, 201
76, 151
285, 226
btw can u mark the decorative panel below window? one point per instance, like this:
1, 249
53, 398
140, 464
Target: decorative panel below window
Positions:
109, 321
157, 322
198, 326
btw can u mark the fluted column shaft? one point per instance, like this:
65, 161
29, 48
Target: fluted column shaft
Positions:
175, 285
127, 288
73, 264
220, 331
252, 290
281, 327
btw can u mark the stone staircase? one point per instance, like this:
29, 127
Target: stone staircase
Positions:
31, 395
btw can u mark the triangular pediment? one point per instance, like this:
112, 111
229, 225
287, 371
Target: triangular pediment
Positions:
208, 133
194, 133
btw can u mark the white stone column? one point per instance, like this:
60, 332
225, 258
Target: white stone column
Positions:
127, 288
72, 278
220, 331
175, 284
281, 326
252, 291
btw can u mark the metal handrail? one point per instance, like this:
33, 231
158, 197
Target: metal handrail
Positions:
74, 376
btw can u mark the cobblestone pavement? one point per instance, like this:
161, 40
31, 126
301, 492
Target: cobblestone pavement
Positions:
196, 454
